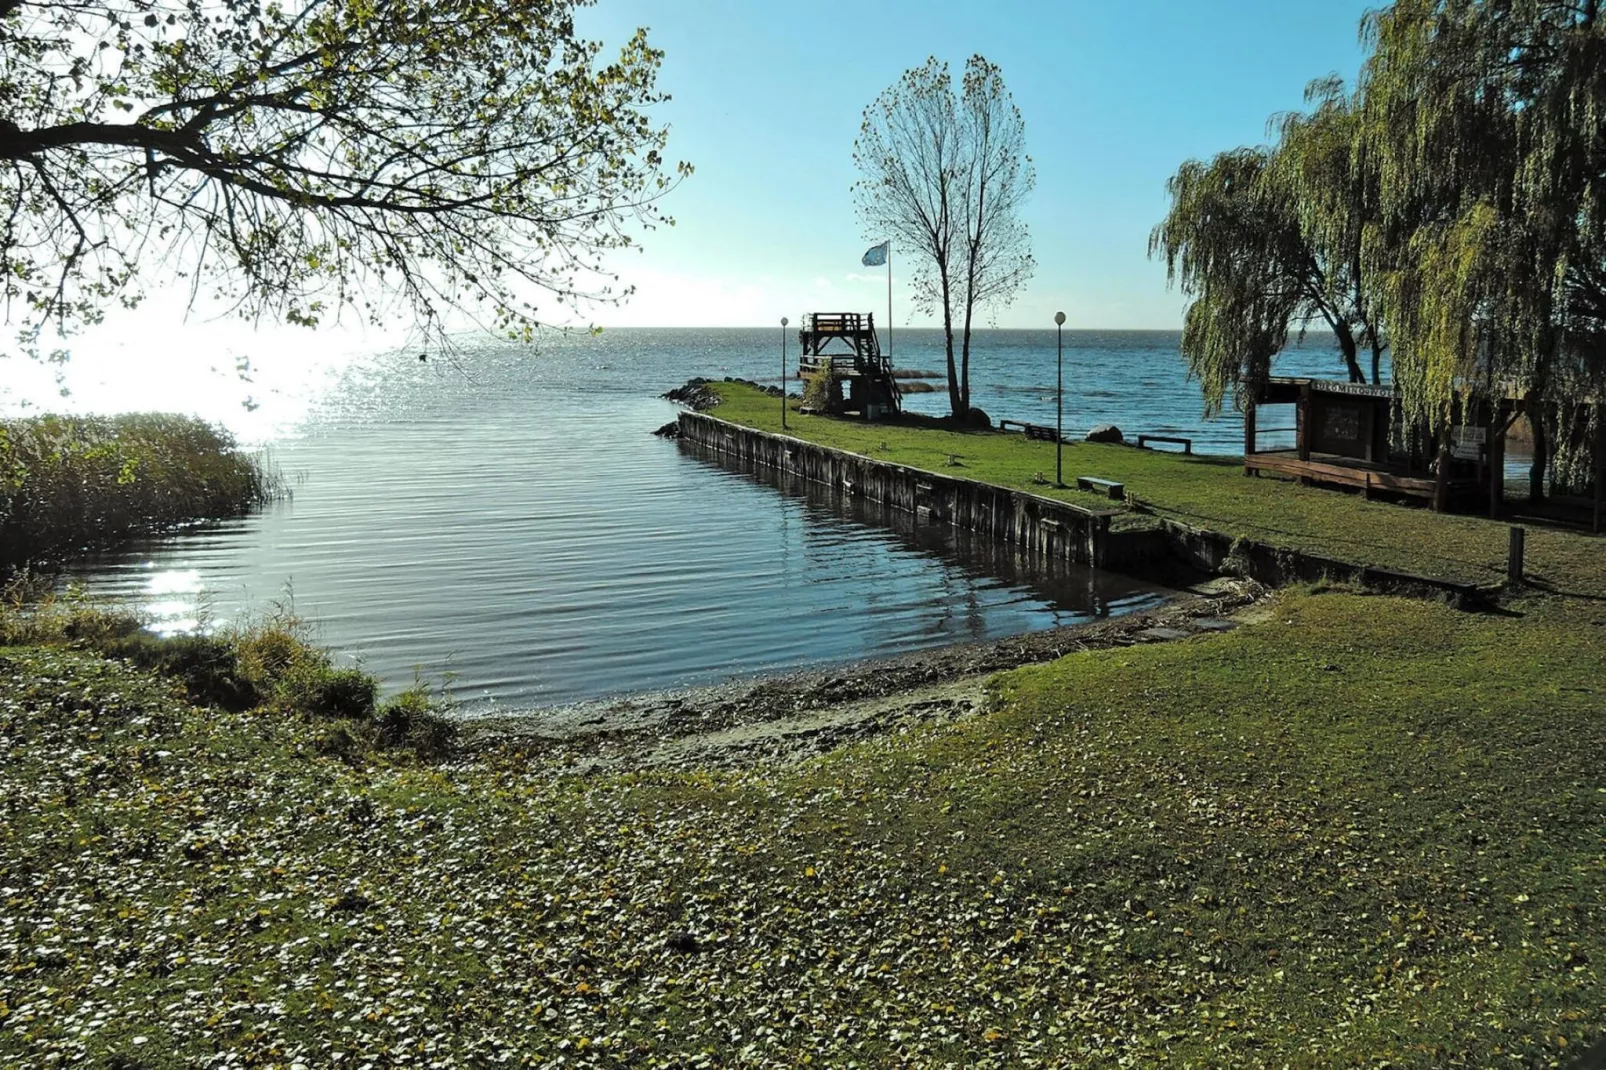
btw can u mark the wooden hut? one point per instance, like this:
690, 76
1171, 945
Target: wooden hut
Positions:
1352, 435
1349, 435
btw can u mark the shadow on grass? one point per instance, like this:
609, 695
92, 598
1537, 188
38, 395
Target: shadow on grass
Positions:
1324, 537
1541, 584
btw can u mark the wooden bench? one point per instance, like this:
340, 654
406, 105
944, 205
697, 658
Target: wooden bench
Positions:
1365, 480
1175, 440
1037, 431
1108, 486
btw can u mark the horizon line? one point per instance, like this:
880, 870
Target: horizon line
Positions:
896, 327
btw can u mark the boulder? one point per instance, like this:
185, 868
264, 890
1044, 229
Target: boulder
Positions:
1106, 433
978, 419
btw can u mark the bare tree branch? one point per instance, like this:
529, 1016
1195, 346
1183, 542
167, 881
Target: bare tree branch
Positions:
944, 177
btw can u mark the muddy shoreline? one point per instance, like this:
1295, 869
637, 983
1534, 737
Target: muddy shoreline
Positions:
799, 714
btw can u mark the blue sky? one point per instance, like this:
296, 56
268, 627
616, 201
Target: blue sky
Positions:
767, 99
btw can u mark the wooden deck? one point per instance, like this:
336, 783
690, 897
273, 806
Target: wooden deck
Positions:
1347, 472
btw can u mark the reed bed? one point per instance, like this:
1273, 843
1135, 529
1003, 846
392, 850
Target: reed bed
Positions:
73, 483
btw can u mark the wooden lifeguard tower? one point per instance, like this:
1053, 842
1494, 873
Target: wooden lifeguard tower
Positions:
845, 346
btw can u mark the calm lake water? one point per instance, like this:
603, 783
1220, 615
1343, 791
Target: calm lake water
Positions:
505, 520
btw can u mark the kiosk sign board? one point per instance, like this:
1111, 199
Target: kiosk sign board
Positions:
1467, 443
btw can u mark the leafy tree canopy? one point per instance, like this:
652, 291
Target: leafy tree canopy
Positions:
1455, 203
306, 159
1487, 119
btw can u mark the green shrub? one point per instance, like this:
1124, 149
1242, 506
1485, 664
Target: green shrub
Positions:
207, 665
286, 670
348, 694
270, 664
412, 719
820, 389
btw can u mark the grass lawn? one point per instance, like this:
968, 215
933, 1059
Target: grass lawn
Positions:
1362, 831
1209, 492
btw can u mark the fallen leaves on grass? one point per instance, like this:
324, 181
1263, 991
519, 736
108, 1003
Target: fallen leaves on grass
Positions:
1126, 864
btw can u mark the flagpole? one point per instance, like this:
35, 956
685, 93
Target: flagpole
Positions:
889, 302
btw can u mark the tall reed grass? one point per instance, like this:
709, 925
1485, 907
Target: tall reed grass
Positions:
71, 483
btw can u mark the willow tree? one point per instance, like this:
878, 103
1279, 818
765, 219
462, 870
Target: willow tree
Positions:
1321, 171
1488, 122
306, 159
945, 177
1266, 242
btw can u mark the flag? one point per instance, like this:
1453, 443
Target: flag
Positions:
876, 255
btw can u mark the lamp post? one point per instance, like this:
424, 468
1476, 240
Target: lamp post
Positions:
783, 373
1059, 401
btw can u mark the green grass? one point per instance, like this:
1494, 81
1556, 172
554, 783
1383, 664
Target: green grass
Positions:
1362, 831
1209, 492
1365, 831
69, 483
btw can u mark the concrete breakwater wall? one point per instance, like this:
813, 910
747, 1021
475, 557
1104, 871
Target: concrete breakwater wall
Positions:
1166, 549
1036, 524
1276, 566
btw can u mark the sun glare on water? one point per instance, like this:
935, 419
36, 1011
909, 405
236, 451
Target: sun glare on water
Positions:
258, 381
173, 601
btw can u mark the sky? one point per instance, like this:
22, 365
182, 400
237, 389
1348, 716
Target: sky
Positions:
767, 100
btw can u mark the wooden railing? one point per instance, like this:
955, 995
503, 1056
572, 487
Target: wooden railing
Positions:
835, 323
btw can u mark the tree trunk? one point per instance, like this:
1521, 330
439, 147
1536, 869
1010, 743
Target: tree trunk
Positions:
1346, 344
1377, 364
964, 367
955, 401
1541, 441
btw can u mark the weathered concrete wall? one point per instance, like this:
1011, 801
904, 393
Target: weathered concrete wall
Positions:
1038, 525
1275, 566
1056, 529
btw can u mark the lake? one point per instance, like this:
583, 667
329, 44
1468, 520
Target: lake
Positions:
503, 520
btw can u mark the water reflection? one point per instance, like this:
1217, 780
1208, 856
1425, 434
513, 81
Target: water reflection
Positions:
510, 521
971, 563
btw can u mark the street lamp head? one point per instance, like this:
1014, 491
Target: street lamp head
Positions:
1059, 319
784, 321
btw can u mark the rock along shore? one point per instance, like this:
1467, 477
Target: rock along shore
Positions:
797, 715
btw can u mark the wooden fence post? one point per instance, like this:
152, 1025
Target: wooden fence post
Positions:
1302, 421
1249, 437
1514, 568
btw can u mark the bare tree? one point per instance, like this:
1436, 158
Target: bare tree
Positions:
946, 177
305, 158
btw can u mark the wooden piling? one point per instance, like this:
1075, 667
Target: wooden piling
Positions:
1514, 565
1249, 437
